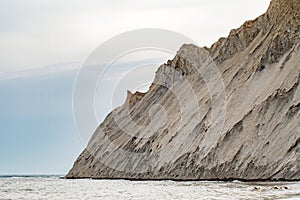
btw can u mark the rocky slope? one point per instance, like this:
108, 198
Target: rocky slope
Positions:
231, 111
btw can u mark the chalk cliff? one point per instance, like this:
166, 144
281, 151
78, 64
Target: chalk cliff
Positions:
195, 125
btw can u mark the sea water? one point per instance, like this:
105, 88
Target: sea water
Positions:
54, 187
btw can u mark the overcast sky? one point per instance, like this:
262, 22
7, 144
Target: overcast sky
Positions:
35, 34
43, 43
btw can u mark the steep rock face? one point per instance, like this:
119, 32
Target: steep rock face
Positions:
170, 131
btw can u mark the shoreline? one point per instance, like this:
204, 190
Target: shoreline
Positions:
191, 180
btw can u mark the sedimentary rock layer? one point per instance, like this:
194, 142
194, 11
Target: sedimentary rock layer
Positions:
189, 127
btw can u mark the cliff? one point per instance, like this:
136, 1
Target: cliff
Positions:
231, 111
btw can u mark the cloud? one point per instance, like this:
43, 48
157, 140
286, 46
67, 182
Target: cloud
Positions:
46, 70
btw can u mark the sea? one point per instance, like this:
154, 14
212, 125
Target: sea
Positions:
55, 187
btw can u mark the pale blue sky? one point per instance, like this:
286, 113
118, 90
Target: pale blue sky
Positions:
42, 46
